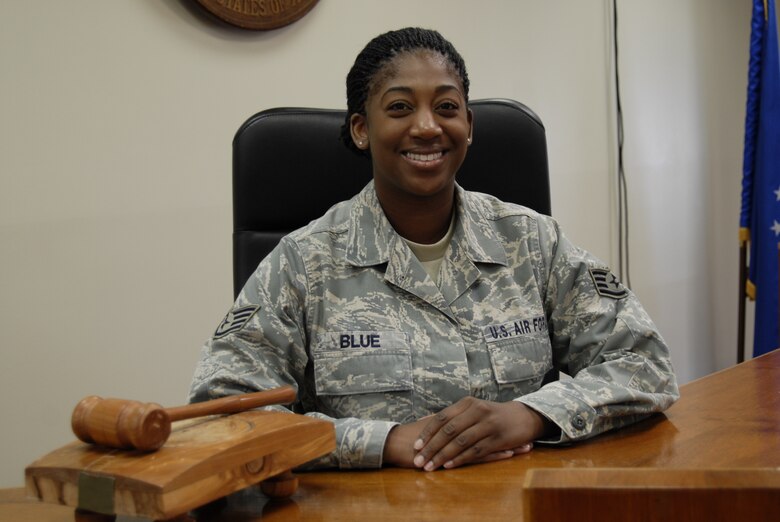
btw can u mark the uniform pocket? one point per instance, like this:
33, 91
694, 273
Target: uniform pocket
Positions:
363, 362
520, 359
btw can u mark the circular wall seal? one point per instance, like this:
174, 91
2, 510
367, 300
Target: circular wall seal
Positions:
258, 14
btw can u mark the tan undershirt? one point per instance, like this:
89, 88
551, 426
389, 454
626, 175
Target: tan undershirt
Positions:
431, 256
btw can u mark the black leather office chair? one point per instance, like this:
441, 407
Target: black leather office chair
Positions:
289, 167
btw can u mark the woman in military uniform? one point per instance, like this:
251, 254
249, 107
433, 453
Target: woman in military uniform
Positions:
421, 318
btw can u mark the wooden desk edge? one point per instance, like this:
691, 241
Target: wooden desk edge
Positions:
15, 494
661, 478
607, 494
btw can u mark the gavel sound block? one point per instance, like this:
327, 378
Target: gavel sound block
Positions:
203, 460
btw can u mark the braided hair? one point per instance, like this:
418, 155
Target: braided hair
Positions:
371, 61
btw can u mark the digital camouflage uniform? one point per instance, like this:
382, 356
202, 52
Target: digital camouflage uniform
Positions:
343, 310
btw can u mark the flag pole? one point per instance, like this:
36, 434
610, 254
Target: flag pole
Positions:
744, 235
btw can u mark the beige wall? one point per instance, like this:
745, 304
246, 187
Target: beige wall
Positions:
116, 119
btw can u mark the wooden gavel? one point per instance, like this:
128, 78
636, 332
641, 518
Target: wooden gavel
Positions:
126, 424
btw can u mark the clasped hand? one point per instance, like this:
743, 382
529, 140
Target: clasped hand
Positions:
469, 431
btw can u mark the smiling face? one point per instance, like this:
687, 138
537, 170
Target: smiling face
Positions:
417, 127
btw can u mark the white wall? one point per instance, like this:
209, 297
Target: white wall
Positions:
116, 120
685, 84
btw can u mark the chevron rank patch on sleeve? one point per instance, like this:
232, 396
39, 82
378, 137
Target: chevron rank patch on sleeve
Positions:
235, 320
607, 283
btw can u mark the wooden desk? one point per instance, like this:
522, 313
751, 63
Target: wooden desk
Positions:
730, 419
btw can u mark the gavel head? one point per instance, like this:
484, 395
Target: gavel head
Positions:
119, 423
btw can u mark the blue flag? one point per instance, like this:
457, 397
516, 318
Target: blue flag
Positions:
760, 215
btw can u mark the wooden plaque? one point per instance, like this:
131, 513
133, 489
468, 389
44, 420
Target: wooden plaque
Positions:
258, 14
203, 460
647, 494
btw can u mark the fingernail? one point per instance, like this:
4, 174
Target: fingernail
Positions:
429, 466
449, 464
418, 444
419, 460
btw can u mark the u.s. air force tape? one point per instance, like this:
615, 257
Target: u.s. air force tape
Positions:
607, 284
235, 320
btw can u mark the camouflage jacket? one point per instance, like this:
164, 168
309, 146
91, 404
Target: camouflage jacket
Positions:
343, 310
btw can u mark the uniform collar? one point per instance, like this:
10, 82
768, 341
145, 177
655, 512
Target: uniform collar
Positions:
475, 233
372, 240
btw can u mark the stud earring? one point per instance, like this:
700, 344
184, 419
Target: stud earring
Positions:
468, 141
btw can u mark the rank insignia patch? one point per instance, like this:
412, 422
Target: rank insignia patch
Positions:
235, 320
607, 284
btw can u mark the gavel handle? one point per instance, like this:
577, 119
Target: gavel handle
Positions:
233, 403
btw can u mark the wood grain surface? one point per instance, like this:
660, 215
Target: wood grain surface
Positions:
729, 420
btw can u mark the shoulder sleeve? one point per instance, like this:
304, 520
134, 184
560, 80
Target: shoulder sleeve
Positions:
617, 365
263, 342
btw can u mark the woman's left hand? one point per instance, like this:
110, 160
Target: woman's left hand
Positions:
472, 429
